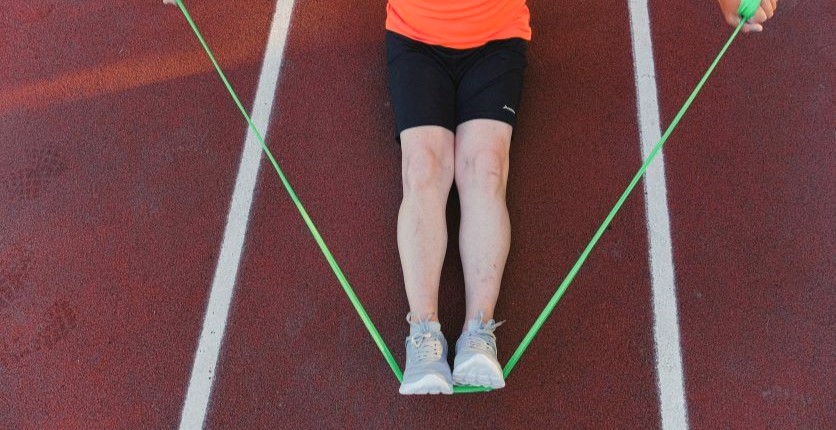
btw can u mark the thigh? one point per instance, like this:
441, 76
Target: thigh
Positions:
491, 84
421, 89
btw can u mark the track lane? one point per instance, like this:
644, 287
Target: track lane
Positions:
112, 207
751, 187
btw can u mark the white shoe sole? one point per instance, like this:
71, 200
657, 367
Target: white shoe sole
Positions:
429, 384
479, 371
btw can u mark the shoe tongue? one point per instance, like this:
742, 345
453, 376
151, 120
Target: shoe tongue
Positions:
417, 328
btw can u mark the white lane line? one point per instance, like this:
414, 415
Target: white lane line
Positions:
672, 406
214, 324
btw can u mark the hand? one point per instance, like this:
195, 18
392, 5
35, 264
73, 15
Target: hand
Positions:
765, 11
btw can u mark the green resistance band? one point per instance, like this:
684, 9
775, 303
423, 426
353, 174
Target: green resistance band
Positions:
746, 11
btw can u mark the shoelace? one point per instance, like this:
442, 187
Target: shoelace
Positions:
425, 341
482, 338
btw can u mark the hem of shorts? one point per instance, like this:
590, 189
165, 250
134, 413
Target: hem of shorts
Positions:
398, 131
481, 115
497, 116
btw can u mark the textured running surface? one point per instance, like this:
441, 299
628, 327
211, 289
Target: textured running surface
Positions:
117, 160
118, 154
755, 261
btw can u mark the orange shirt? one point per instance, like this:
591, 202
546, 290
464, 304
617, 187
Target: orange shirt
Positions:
459, 24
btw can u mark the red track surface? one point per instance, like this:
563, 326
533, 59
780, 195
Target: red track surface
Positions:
118, 154
752, 188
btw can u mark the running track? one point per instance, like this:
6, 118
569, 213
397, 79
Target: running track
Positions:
120, 151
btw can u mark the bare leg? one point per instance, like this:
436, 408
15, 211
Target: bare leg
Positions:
427, 173
481, 175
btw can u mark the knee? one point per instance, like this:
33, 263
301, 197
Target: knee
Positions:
426, 171
482, 172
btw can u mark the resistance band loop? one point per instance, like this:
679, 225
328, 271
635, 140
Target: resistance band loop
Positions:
746, 11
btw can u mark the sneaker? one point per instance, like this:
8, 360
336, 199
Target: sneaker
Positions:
476, 362
426, 370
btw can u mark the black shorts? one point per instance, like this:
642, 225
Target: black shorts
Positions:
436, 85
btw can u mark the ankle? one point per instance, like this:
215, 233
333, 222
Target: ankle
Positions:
416, 317
481, 317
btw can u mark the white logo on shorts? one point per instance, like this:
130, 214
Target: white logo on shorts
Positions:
509, 109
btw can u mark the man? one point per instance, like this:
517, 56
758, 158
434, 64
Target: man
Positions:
455, 77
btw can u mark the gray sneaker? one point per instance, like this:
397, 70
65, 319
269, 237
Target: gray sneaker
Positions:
476, 362
427, 371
